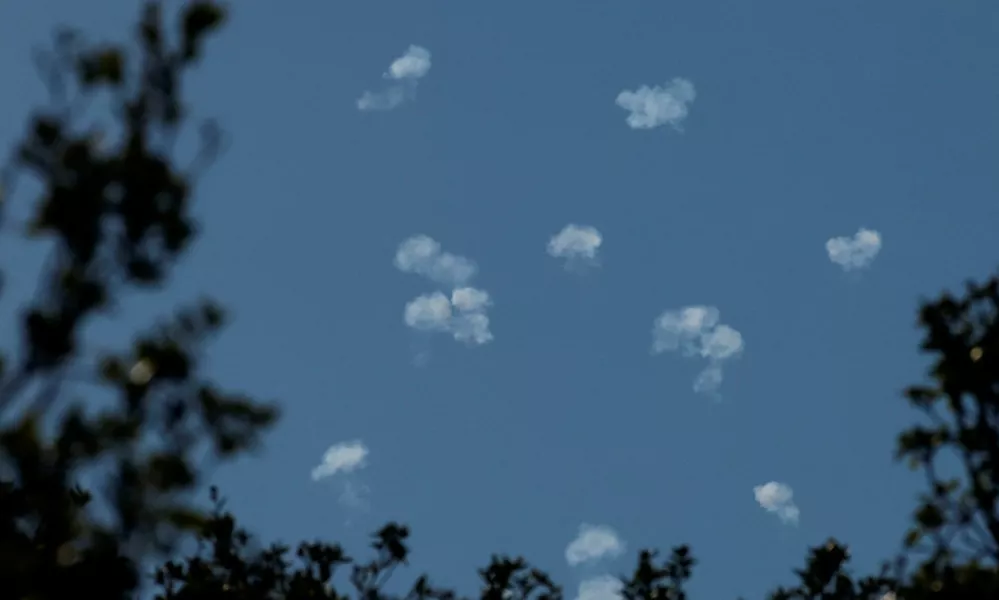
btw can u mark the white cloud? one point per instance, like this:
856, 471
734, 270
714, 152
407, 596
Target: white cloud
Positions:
414, 64
344, 457
855, 252
778, 498
422, 255
577, 244
697, 331
342, 463
603, 587
405, 71
651, 107
428, 312
593, 543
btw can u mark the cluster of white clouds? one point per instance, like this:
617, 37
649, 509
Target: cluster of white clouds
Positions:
857, 252
598, 544
696, 331
655, 106
778, 498
577, 245
693, 331
592, 545
404, 74
461, 312
340, 462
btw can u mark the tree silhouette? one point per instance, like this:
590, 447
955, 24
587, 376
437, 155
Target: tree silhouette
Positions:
96, 496
116, 214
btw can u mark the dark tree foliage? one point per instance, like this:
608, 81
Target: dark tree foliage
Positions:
94, 494
117, 216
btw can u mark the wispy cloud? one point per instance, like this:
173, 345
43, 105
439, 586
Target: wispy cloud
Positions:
462, 313
593, 543
404, 73
651, 107
343, 457
696, 331
857, 252
355, 495
603, 587
577, 245
387, 99
778, 498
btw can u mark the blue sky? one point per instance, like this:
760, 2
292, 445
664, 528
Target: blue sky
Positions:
808, 121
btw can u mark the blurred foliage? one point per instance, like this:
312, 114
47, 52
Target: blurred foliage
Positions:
93, 493
115, 217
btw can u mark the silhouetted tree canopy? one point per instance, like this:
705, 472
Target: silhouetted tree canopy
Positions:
94, 495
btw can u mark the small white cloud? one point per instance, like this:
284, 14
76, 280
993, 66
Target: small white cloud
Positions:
651, 107
422, 255
405, 71
341, 463
577, 244
697, 331
344, 457
603, 587
857, 252
414, 64
593, 543
429, 312
778, 498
